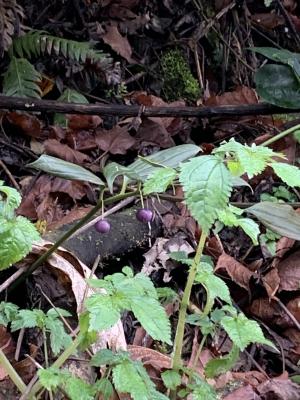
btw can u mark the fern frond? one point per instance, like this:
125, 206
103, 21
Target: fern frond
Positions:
21, 79
11, 15
37, 43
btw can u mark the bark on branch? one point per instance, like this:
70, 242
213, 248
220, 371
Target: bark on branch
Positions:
15, 103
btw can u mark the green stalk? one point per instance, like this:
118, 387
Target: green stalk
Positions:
177, 362
58, 363
280, 135
12, 373
67, 234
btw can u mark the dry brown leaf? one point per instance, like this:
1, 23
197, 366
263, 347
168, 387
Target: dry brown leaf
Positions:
289, 272
237, 271
114, 337
63, 151
271, 282
294, 307
115, 141
118, 43
150, 357
153, 133
242, 95
28, 124
243, 393
269, 311
279, 389
78, 122
268, 20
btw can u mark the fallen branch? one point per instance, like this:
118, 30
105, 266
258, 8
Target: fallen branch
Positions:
32, 105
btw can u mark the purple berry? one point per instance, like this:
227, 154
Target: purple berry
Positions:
144, 215
102, 226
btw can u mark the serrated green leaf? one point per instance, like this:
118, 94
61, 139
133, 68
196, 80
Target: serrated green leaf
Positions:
152, 317
108, 357
171, 379
290, 174
16, 242
214, 285
202, 390
50, 378
159, 181
21, 79
8, 312
10, 199
219, 366
68, 96
59, 339
78, 389
104, 312
104, 387
181, 256
207, 185
64, 169
29, 319
57, 312
280, 218
243, 331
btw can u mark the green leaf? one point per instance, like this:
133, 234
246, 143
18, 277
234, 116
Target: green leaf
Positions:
152, 317
104, 387
21, 79
64, 169
251, 160
214, 285
181, 256
29, 319
242, 331
112, 170
219, 366
280, 218
131, 377
282, 56
68, 96
57, 312
104, 312
171, 379
8, 312
207, 185
290, 174
59, 339
10, 199
168, 158
50, 378
77, 389
285, 93
201, 390
159, 181
16, 242
108, 357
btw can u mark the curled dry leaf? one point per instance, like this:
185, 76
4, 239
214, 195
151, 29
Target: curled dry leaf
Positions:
118, 43
115, 141
28, 124
240, 274
241, 95
114, 337
78, 122
289, 272
54, 148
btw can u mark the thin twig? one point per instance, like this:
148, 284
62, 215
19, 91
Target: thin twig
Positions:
12, 179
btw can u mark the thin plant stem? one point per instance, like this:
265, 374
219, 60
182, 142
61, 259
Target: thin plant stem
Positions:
68, 234
57, 364
280, 135
12, 373
198, 352
177, 362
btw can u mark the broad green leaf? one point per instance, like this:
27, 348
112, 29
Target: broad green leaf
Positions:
152, 316
104, 313
243, 331
64, 169
10, 199
68, 96
280, 218
16, 242
207, 185
171, 379
214, 285
285, 93
171, 157
282, 56
112, 170
290, 174
251, 229
159, 181
8, 312
219, 366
